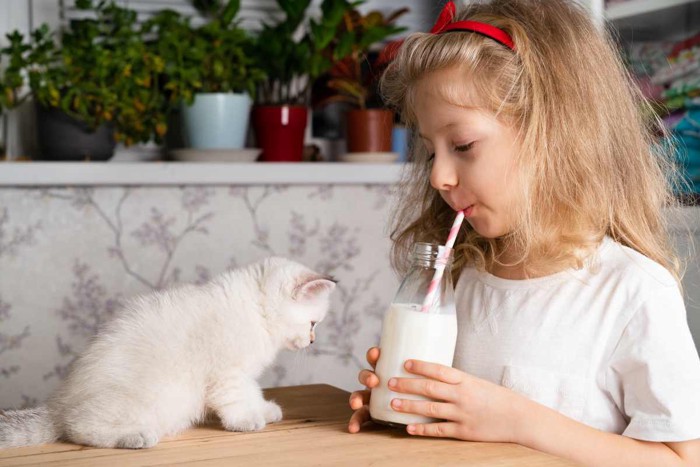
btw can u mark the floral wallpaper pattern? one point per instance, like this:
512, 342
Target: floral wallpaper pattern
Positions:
68, 256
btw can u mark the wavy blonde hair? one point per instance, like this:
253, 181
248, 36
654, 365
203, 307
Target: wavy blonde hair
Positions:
587, 153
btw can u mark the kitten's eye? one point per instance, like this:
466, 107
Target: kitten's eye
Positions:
313, 325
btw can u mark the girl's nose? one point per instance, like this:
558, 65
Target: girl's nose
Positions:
443, 175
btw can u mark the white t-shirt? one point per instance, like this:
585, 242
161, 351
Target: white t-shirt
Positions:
607, 345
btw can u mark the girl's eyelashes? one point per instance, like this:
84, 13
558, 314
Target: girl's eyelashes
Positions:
459, 148
464, 147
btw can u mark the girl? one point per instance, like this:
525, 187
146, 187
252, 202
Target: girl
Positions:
572, 331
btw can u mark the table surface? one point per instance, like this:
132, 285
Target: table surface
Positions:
313, 432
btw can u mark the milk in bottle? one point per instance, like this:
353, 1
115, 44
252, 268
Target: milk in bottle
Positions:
409, 333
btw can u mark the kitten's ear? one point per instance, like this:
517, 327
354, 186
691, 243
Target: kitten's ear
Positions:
315, 287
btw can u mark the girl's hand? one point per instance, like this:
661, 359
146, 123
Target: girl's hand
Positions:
474, 409
359, 400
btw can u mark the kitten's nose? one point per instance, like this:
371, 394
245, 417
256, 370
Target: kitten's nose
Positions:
312, 339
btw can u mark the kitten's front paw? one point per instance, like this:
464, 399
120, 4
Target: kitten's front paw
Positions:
139, 440
273, 412
244, 420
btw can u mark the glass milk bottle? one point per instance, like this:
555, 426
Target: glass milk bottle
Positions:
409, 333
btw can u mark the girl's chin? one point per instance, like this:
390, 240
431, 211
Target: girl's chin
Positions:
485, 230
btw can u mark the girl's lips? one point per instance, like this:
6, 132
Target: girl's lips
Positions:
468, 210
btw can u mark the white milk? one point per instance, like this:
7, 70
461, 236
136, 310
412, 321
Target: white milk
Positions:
408, 333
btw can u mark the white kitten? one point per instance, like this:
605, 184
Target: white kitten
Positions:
172, 356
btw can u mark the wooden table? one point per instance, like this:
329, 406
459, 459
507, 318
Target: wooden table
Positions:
314, 432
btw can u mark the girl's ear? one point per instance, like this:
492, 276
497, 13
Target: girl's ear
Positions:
314, 288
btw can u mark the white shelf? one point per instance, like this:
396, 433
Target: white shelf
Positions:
639, 7
194, 173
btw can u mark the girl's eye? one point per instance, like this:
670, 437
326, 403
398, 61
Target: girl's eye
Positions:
464, 147
460, 148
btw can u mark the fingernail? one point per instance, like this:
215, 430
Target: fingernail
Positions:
411, 429
408, 364
392, 382
396, 403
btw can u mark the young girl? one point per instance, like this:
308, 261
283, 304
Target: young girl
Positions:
572, 330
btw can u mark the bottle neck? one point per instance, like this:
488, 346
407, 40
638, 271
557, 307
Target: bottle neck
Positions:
427, 255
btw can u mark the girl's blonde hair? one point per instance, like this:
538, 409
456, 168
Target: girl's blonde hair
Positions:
587, 148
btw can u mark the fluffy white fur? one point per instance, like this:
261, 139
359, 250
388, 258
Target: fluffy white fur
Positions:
170, 357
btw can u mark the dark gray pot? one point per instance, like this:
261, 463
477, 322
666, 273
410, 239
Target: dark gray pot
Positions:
63, 138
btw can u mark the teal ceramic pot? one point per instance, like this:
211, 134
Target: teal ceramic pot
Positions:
217, 121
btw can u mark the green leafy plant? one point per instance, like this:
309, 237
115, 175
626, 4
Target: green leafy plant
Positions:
12, 80
353, 76
214, 57
19, 56
100, 71
294, 58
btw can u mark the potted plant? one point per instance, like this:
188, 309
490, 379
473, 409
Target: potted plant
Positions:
353, 80
11, 80
20, 55
209, 72
97, 85
292, 61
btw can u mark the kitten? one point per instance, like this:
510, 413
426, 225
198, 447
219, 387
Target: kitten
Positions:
170, 357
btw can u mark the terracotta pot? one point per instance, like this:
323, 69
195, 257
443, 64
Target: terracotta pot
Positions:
369, 130
279, 131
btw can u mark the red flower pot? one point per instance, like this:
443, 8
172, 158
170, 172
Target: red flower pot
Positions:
279, 131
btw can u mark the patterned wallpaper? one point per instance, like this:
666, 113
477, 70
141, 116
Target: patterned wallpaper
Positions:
69, 255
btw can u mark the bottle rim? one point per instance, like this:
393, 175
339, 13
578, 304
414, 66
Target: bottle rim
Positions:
432, 252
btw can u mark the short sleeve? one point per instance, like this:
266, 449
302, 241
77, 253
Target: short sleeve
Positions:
654, 371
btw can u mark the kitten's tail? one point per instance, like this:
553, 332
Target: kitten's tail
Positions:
27, 427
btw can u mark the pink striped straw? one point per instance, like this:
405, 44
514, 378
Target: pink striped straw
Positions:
440, 265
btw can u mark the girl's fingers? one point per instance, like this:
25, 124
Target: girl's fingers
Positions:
440, 410
438, 430
373, 356
358, 399
424, 387
368, 378
358, 418
443, 373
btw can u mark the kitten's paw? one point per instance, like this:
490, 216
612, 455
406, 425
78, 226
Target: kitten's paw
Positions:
139, 440
273, 412
244, 420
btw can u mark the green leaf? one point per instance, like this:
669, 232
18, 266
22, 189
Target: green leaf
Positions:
294, 9
83, 4
344, 46
333, 11
230, 11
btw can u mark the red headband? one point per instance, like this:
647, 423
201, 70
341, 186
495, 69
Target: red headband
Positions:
444, 24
